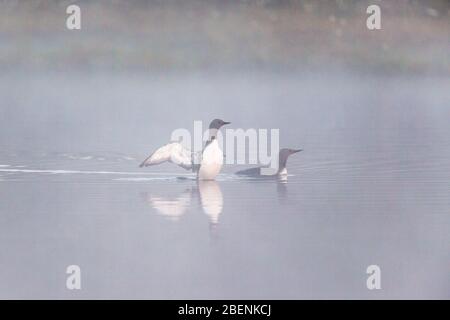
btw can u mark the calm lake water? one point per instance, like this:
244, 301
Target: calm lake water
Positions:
372, 186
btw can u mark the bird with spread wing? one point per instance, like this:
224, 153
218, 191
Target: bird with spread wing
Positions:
207, 164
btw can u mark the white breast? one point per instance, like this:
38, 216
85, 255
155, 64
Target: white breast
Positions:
212, 161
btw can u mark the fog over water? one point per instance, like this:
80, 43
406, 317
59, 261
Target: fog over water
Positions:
81, 109
370, 187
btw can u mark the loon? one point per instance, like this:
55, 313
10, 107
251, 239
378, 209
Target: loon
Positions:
207, 165
282, 171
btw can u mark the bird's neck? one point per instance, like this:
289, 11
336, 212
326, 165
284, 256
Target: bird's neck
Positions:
212, 134
211, 141
282, 166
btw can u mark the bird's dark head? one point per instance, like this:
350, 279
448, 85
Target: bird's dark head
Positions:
292, 151
286, 152
284, 155
217, 124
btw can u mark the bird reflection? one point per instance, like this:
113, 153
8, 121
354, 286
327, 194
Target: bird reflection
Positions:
282, 189
211, 199
208, 193
170, 207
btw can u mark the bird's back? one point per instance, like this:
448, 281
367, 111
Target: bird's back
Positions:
250, 172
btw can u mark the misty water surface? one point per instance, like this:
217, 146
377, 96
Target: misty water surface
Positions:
371, 187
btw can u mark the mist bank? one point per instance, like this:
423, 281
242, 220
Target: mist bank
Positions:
175, 36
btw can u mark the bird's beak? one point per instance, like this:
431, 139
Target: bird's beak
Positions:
224, 123
297, 150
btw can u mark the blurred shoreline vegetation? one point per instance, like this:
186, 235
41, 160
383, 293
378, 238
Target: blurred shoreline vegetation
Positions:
199, 35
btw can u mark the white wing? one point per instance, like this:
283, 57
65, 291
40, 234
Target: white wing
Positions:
173, 152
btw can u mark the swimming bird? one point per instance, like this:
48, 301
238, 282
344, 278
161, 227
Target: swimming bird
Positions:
282, 170
207, 165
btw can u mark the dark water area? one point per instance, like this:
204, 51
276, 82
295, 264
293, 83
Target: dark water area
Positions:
371, 187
